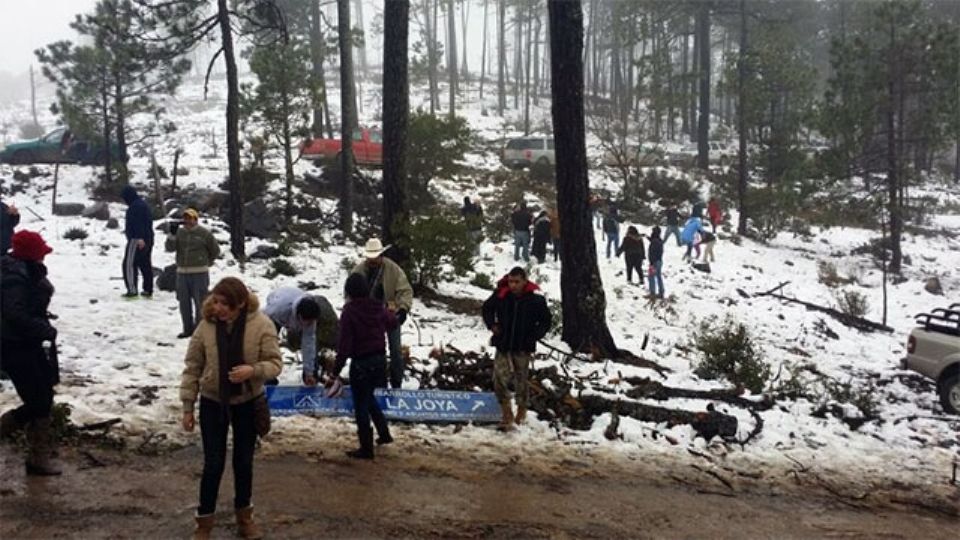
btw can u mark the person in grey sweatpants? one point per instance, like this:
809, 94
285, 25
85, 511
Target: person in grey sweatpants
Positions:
196, 249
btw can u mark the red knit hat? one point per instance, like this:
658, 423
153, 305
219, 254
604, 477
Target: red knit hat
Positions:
29, 246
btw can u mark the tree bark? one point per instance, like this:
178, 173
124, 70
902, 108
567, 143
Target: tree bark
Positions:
584, 302
348, 117
536, 58
33, 98
526, 80
483, 52
464, 68
684, 61
233, 135
742, 123
396, 114
517, 55
363, 46
694, 79
452, 57
703, 122
318, 92
893, 173
501, 57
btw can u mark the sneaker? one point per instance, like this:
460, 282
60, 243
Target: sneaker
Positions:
386, 439
130, 296
360, 453
183, 335
147, 295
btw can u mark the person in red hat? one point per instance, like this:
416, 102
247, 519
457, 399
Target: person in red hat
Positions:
27, 348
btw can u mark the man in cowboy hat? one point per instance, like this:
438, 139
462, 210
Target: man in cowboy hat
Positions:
389, 284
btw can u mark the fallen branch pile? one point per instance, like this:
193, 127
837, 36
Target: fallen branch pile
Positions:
846, 319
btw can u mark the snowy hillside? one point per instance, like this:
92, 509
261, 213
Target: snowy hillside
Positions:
121, 358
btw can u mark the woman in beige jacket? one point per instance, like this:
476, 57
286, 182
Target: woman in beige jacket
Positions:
232, 352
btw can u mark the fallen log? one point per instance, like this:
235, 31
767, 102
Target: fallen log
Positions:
645, 388
852, 321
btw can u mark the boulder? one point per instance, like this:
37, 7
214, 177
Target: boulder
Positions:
98, 210
933, 286
264, 252
112, 223
167, 279
68, 209
203, 200
259, 221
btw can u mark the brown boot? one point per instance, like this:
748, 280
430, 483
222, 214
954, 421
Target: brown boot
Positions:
204, 527
246, 528
40, 449
9, 426
506, 421
521, 415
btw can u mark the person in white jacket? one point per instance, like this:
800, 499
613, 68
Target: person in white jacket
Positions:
310, 321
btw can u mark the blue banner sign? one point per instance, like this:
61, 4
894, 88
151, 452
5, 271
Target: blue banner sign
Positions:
397, 404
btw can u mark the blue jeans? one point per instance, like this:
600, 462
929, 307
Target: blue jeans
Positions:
521, 243
613, 237
672, 230
396, 357
656, 280
366, 374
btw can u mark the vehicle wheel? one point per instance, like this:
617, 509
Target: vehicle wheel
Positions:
21, 157
950, 394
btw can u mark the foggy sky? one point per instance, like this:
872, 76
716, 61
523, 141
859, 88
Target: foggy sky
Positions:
27, 25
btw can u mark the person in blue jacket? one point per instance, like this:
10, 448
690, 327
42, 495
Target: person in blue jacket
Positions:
139, 232
691, 230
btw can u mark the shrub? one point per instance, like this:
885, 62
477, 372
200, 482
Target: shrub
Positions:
853, 303
657, 184
483, 281
828, 275
729, 352
75, 233
436, 241
281, 267
542, 172
435, 145
255, 181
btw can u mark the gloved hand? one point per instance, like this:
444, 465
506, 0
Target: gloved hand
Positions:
401, 317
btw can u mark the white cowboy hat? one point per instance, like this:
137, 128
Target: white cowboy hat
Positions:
374, 248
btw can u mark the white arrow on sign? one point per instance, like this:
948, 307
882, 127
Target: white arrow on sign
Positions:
476, 405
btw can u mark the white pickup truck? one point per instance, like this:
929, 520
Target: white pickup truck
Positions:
933, 350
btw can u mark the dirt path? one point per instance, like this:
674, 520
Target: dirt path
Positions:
417, 489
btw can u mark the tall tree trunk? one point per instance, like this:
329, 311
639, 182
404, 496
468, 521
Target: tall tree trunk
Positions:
584, 302
703, 122
362, 49
452, 57
483, 52
107, 127
694, 80
742, 123
526, 77
121, 125
396, 114
536, 57
432, 61
318, 84
517, 55
234, 181
684, 61
893, 169
33, 98
287, 156
464, 68
348, 117
501, 57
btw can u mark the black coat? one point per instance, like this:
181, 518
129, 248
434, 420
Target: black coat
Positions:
541, 236
523, 320
7, 224
26, 297
655, 251
521, 220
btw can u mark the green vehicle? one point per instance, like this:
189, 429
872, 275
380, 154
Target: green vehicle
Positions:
58, 146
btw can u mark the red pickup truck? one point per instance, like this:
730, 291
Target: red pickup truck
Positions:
367, 148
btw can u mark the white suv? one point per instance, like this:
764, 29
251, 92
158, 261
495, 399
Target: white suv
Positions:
525, 151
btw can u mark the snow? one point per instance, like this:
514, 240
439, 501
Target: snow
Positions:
112, 348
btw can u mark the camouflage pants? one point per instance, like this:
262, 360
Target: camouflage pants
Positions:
515, 366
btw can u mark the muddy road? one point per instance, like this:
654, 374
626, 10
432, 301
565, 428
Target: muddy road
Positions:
424, 488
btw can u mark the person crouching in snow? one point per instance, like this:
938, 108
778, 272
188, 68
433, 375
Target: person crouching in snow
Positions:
363, 324
232, 352
518, 318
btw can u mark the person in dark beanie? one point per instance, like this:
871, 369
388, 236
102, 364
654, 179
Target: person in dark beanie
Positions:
518, 318
139, 232
28, 348
232, 352
363, 323
9, 218
632, 251
655, 272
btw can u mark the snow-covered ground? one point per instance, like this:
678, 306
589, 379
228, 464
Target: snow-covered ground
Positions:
116, 354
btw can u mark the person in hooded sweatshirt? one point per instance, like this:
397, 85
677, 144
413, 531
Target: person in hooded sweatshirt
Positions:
363, 323
655, 272
139, 233
518, 317
690, 236
632, 251
541, 236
